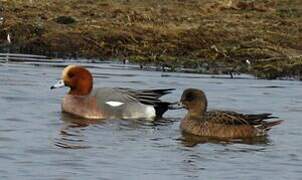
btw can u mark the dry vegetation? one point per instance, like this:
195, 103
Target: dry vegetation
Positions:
190, 33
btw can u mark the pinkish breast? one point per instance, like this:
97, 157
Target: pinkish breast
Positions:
83, 106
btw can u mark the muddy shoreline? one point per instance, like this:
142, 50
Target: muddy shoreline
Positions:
209, 36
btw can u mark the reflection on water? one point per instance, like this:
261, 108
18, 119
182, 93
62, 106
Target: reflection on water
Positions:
192, 140
72, 132
37, 141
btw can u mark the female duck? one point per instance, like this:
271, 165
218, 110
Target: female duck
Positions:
103, 103
220, 124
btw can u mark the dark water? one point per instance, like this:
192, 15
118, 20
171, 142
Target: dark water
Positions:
37, 141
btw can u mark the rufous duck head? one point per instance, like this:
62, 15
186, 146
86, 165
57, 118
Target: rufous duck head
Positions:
77, 78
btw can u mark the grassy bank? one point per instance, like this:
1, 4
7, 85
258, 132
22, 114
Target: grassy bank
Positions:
213, 36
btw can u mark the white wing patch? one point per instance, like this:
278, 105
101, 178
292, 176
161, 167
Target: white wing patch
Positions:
114, 103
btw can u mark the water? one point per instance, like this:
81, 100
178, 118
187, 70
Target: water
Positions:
37, 141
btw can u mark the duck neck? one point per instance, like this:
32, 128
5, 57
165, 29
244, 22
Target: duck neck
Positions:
198, 110
79, 93
82, 88
197, 113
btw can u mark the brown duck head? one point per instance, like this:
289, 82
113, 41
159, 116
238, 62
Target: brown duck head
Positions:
77, 78
195, 101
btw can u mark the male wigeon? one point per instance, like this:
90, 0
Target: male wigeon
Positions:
220, 124
102, 103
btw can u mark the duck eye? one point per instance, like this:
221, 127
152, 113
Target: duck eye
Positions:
190, 97
70, 75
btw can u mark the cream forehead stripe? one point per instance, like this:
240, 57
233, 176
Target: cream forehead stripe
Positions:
65, 71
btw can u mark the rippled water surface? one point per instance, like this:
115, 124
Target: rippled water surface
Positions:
37, 141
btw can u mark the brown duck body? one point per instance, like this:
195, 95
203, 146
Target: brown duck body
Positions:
227, 125
221, 124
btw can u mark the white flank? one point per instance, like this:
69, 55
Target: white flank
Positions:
150, 112
114, 103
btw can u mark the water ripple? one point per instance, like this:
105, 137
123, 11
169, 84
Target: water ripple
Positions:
40, 142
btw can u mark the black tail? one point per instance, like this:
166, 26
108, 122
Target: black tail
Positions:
151, 97
268, 125
162, 107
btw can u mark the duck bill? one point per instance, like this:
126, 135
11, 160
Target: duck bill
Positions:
183, 104
59, 84
176, 105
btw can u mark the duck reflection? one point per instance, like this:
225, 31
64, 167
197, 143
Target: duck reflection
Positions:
75, 131
71, 133
190, 140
